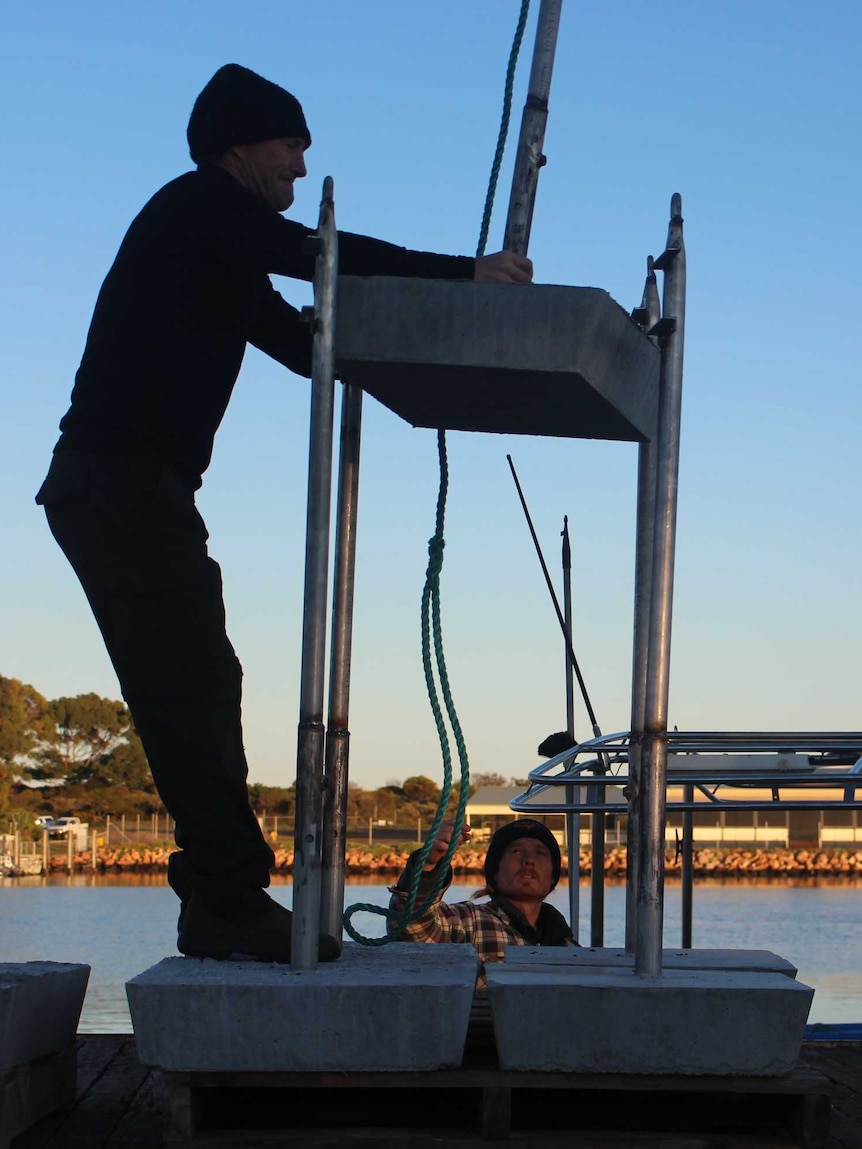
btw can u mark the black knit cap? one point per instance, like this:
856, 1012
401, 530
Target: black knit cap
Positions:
523, 828
240, 107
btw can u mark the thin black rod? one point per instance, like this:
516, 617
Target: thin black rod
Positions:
573, 818
687, 870
591, 713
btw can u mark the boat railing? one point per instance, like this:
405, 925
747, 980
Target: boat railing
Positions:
718, 768
706, 770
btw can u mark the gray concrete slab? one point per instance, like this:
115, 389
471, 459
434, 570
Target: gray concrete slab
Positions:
40, 1004
398, 1007
610, 1021
31, 1091
583, 957
516, 359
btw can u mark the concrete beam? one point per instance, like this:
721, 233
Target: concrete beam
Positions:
399, 1007
736, 961
610, 1021
515, 359
40, 1005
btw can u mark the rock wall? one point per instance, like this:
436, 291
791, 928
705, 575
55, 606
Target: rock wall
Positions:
469, 862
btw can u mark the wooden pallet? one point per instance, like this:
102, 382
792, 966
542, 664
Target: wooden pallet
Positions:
120, 1104
491, 1104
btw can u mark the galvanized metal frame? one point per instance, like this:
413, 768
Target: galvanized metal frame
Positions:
650, 790
530, 157
337, 730
310, 783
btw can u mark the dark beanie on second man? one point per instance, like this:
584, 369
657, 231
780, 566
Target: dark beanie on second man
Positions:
523, 828
240, 107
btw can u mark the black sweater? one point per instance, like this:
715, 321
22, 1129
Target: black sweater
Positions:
188, 289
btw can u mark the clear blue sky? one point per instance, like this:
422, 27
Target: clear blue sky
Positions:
750, 110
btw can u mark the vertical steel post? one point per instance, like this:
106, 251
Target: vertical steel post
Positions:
309, 760
647, 316
597, 873
643, 583
653, 766
337, 732
573, 818
530, 158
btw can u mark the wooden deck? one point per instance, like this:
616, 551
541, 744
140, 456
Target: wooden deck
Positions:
121, 1105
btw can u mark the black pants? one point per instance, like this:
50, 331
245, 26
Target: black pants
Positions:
131, 531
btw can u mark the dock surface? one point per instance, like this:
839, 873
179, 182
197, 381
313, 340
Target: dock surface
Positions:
122, 1105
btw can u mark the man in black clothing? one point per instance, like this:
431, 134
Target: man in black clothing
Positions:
188, 290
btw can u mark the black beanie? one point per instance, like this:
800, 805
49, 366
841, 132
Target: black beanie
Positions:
240, 107
523, 828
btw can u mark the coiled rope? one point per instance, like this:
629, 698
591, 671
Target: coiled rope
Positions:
432, 631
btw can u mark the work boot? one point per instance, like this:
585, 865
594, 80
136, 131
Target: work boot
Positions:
205, 934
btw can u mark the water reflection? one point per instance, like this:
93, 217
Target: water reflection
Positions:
121, 924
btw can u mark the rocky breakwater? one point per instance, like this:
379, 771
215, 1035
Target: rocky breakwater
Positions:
382, 861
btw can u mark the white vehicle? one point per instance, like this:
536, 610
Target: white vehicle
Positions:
62, 827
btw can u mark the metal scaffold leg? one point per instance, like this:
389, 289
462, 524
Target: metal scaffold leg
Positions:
307, 864
337, 733
651, 795
643, 584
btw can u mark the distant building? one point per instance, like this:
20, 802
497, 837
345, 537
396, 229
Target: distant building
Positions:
715, 826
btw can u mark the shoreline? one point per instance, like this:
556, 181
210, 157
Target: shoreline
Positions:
382, 860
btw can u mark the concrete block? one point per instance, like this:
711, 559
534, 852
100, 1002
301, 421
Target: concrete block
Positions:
40, 1004
32, 1091
510, 358
397, 1007
582, 957
684, 1022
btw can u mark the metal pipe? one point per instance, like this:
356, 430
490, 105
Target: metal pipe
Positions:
310, 742
530, 157
722, 741
337, 732
573, 818
650, 886
597, 874
647, 315
640, 657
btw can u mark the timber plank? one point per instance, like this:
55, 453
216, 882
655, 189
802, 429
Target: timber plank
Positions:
845, 1092
411, 1139
103, 1106
843, 1133
95, 1055
142, 1126
841, 1066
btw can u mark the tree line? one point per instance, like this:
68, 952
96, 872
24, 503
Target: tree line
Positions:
81, 755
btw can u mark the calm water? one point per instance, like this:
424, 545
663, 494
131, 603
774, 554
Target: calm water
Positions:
122, 925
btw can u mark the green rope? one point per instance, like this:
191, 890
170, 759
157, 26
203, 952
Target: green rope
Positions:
504, 127
432, 630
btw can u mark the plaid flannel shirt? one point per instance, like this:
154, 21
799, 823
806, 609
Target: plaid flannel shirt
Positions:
488, 926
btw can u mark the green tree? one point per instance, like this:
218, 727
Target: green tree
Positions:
488, 779
22, 710
275, 800
126, 765
84, 732
420, 789
22, 719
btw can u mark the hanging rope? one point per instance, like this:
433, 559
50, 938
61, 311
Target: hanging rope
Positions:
432, 630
